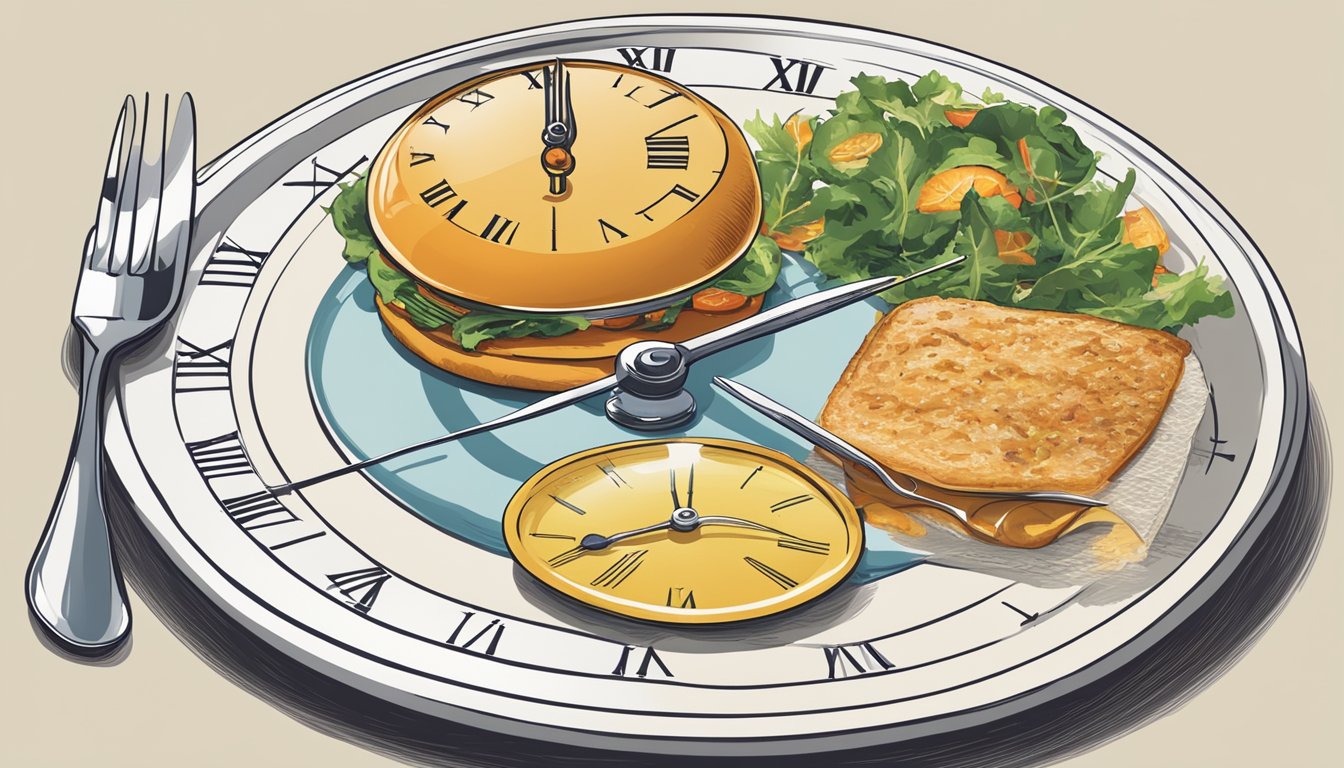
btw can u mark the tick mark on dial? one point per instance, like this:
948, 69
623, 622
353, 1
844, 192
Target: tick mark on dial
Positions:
620, 570
781, 579
748, 480
552, 536
567, 505
791, 502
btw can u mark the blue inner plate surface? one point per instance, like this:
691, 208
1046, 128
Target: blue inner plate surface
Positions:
376, 396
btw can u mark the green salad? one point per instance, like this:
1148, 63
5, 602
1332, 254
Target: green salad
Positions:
900, 176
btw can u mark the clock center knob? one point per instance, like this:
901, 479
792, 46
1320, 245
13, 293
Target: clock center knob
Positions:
650, 381
685, 519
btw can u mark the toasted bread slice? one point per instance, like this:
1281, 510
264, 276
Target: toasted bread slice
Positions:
972, 396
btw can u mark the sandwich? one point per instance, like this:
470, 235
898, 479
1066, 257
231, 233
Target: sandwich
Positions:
966, 397
548, 351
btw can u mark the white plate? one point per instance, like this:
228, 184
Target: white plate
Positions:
346, 582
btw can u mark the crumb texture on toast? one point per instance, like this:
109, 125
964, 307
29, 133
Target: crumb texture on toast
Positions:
973, 396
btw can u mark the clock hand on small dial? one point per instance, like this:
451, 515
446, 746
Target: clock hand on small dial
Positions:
684, 519
778, 318
560, 130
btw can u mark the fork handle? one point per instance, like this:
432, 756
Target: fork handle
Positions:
74, 586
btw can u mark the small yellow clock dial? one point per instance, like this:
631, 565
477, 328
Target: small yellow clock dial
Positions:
687, 531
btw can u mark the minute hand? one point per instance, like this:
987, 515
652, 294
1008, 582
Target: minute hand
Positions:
788, 314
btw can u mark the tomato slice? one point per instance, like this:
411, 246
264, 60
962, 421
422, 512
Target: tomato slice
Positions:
717, 300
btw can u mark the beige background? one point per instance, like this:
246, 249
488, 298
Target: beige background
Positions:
1247, 100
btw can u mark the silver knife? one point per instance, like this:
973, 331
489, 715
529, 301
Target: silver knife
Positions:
761, 324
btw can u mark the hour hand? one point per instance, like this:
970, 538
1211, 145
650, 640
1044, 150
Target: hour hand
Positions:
560, 129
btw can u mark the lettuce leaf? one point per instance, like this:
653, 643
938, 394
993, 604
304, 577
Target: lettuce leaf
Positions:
756, 271
477, 327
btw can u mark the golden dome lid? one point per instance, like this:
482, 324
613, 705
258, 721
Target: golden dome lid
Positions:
660, 191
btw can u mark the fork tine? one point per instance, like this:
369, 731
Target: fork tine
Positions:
177, 203
104, 227
149, 191
127, 198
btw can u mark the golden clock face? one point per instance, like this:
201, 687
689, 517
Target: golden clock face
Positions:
686, 531
657, 189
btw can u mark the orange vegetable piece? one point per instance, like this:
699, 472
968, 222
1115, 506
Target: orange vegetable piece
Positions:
798, 237
855, 151
800, 128
1013, 247
617, 323
944, 191
717, 300
1144, 230
1159, 270
960, 117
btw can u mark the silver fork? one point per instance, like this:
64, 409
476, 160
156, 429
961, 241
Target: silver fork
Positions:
134, 264
826, 440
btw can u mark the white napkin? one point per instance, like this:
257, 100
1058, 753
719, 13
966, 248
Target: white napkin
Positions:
1141, 494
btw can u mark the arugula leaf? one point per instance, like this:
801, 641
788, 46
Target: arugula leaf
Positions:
785, 171
755, 272
478, 327
1191, 295
976, 242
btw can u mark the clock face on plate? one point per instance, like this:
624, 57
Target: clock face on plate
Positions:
749, 532
419, 581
